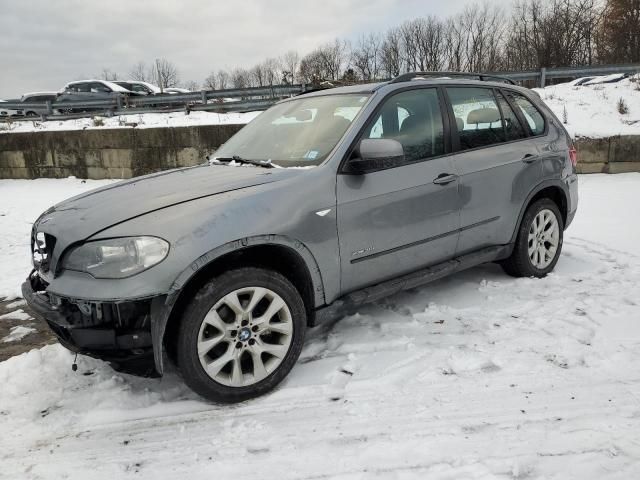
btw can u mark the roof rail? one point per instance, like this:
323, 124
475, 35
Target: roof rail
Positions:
484, 77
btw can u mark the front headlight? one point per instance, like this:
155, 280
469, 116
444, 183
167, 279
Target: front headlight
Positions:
117, 257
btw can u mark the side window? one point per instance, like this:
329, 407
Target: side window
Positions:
414, 119
531, 114
99, 87
478, 118
512, 127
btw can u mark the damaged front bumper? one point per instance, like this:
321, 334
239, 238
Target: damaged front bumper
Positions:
118, 332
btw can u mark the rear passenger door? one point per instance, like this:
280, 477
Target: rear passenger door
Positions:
497, 163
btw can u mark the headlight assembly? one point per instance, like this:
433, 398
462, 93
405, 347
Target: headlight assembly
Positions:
117, 257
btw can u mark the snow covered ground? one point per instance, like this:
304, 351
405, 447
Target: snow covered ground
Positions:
477, 376
21, 202
592, 108
143, 120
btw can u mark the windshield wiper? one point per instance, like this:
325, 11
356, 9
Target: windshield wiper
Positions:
244, 161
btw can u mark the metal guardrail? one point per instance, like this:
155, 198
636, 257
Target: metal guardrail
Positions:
545, 74
255, 98
229, 100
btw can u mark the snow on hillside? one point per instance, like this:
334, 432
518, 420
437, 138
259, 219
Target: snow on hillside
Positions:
591, 111
592, 108
477, 376
142, 120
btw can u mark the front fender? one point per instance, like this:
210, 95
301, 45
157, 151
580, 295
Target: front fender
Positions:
162, 312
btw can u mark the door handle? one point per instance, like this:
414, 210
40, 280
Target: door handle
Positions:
445, 178
530, 158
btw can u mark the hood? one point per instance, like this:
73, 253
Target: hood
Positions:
80, 217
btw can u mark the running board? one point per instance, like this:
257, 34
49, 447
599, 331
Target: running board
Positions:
347, 304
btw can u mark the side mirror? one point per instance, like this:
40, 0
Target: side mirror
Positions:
376, 154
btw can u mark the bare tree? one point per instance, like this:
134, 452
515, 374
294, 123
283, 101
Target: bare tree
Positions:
311, 68
334, 58
366, 57
165, 73
480, 38
108, 75
192, 85
423, 44
391, 54
211, 82
271, 68
223, 79
241, 78
289, 63
454, 50
258, 75
619, 31
554, 33
140, 72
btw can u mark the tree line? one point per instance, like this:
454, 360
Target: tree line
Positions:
528, 34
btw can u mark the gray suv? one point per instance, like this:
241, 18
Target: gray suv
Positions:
324, 202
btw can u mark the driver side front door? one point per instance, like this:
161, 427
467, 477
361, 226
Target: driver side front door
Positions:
401, 219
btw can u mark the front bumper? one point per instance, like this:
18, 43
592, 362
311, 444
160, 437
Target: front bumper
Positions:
117, 332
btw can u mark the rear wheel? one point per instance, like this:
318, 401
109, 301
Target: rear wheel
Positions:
241, 335
539, 241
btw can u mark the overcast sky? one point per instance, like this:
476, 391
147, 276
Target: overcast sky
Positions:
47, 43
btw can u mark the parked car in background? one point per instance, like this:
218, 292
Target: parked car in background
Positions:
176, 90
580, 81
85, 90
221, 269
6, 112
37, 97
140, 87
613, 78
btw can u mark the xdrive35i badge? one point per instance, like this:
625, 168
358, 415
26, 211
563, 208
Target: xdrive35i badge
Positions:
362, 251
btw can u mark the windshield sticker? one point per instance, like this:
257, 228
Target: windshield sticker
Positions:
311, 154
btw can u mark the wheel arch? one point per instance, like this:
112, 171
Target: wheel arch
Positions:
552, 189
287, 256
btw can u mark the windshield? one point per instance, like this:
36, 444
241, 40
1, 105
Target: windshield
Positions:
300, 132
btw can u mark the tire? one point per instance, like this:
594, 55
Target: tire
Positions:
522, 263
228, 355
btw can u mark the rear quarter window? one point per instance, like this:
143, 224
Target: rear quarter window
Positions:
530, 112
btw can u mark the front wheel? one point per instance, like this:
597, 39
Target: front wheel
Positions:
539, 241
241, 335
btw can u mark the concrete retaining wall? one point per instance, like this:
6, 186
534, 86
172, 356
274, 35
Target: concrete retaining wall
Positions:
108, 153
127, 152
609, 155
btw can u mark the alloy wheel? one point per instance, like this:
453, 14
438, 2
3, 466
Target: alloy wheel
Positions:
543, 239
245, 336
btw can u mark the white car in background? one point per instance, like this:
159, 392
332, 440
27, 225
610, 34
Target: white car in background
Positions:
6, 113
176, 90
137, 86
86, 90
38, 97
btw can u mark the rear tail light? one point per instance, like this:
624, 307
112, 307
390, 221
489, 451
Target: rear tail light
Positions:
573, 156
